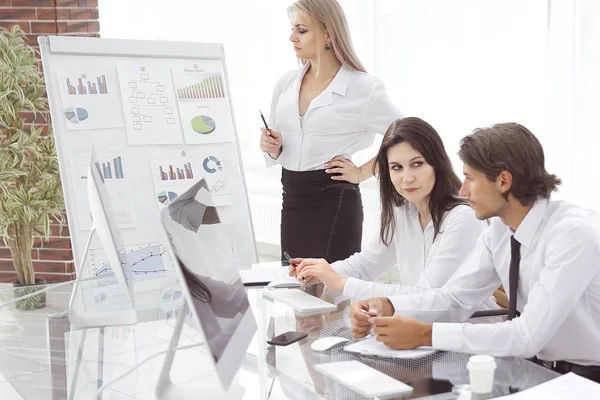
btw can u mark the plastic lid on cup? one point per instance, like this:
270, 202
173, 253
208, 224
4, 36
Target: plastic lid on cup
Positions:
481, 361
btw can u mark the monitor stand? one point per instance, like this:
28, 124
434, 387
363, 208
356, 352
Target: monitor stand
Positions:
167, 390
96, 319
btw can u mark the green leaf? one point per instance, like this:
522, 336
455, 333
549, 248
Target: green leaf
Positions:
30, 190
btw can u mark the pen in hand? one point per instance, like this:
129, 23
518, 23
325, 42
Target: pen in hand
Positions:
289, 260
264, 121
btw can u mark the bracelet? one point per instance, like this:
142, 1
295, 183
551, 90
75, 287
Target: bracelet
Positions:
358, 175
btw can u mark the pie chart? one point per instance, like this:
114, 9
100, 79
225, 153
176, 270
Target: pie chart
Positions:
203, 125
75, 114
166, 197
211, 164
171, 295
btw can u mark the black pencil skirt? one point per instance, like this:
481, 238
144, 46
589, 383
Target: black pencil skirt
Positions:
320, 217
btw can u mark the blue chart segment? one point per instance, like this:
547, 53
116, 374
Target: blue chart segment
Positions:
166, 197
75, 114
138, 260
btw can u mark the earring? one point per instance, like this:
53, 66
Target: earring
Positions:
327, 47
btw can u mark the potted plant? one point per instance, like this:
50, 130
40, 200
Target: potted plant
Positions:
30, 189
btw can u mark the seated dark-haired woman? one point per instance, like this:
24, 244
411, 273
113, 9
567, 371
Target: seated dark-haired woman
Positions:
426, 229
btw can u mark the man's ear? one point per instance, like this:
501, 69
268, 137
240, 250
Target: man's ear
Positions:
504, 181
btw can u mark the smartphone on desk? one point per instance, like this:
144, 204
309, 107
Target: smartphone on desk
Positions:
286, 338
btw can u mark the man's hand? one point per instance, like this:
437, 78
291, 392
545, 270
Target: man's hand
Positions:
361, 323
402, 333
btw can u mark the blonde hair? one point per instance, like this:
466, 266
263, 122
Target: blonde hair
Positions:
328, 15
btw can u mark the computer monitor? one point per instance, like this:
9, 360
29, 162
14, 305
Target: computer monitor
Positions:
105, 224
219, 305
108, 232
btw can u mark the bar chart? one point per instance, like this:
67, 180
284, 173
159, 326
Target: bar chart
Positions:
210, 87
171, 173
85, 86
111, 169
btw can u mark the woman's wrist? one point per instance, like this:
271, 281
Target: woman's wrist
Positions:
358, 175
275, 156
339, 283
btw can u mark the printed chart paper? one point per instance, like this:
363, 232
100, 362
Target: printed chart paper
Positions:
203, 107
148, 104
89, 99
114, 172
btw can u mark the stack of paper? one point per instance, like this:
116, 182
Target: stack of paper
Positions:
371, 347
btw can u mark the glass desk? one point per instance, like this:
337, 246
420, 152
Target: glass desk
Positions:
42, 357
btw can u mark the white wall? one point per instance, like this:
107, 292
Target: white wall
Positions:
458, 64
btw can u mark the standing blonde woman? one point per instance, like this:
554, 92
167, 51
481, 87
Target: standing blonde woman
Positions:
320, 116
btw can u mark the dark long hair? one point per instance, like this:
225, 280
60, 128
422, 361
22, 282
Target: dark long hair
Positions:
444, 196
198, 289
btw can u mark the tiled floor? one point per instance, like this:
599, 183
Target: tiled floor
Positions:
25, 371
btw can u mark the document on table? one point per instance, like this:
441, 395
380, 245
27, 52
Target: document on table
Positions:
371, 347
569, 386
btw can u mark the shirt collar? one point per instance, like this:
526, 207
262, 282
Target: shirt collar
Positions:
531, 223
338, 85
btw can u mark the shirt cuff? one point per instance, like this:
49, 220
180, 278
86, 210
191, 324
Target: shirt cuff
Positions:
270, 161
351, 287
447, 336
397, 304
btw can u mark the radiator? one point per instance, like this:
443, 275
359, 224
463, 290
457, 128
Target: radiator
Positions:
266, 218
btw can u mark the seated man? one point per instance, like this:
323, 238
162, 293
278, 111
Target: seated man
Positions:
546, 253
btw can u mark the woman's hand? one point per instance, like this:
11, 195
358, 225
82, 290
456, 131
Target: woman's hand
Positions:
313, 270
340, 165
270, 142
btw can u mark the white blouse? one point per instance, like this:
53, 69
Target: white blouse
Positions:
423, 262
342, 120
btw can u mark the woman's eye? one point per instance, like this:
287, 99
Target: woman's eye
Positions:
417, 164
397, 167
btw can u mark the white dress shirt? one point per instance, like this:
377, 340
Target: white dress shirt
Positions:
342, 120
558, 293
423, 263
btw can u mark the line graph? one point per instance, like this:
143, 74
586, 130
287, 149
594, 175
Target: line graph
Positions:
219, 187
138, 260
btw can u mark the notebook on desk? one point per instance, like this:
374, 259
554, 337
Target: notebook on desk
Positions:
263, 274
371, 347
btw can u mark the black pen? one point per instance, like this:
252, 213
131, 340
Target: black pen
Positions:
266, 126
289, 260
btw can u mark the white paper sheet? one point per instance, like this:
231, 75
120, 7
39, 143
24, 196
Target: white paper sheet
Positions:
371, 347
569, 386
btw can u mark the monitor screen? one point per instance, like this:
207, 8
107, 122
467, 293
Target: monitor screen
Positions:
105, 224
200, 244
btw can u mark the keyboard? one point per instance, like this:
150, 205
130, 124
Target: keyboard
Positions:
363, 379
299, 300
262, 276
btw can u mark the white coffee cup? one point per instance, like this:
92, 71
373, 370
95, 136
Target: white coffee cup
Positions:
481, 373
